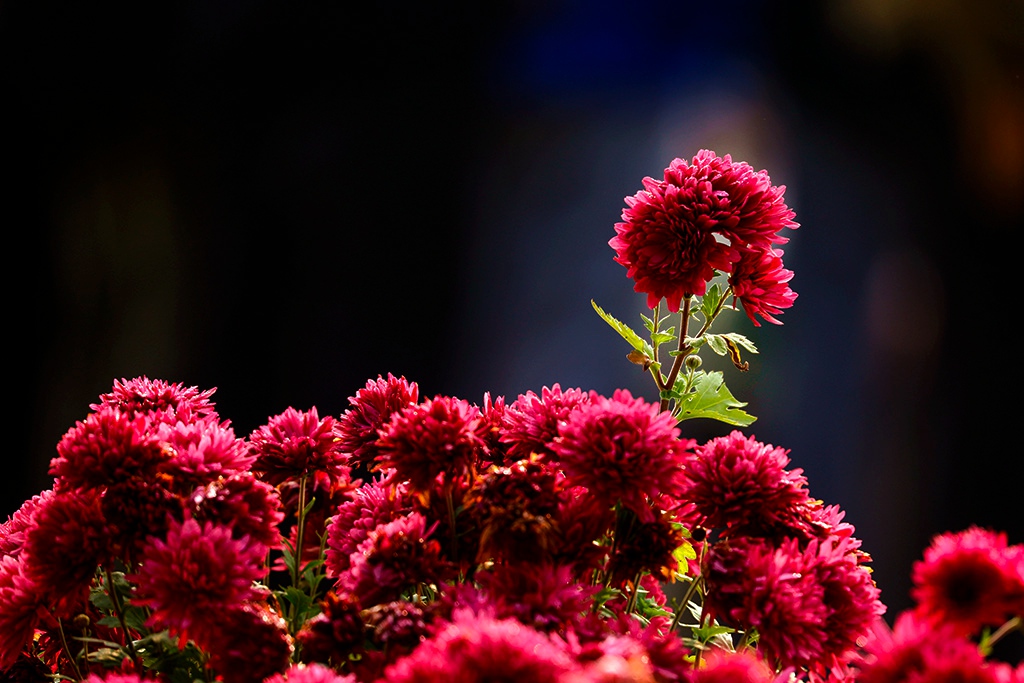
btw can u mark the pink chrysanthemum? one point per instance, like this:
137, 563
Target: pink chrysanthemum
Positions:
115, 677
720, 666
336, 633
531, 422
198, 572
19, 607
677, 232
247, 643
477, 648
918, 651
137, 509
296, 443
248, 506
970, 579
738, 482
395, 556
108, 447
371, 505
68, 539
752, 584
12, 532
622, 449
202, 451
762, 285
441, 436
372, 408
311, 673
159, 400
544, 597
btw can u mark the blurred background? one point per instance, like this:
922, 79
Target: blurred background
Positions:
283, 200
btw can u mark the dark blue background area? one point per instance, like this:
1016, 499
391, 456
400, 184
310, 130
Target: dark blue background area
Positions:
285, 201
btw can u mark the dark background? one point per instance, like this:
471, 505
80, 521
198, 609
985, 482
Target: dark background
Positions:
283, 200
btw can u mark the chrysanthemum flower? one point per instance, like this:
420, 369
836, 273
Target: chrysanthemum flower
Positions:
371, 409
248, 506
531, 422
12, 532
441, 436
545, 597
311, 673
736, 481
117, 677
647, 546
395, 556
516, 507
720, 666
196, 573
201, 451
477, 648
335, 633
372, 505
970, 579
919, 651
622, 449
247, 643
159, 400
107, 447
19, 607
752, 584
137, 509
761, 284
67, 540
677, 232
296, 443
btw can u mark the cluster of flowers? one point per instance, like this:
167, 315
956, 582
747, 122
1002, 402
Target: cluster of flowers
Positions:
561, 537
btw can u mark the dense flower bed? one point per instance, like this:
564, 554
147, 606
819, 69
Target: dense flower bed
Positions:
563, 536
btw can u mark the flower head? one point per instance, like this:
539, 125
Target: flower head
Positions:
107, 447
203, 562
371, 505
531, 422
12, 532
621, 449
159, 400
762, 285
311, 673
738, 482
296, 443
441, 436
201, 451
247, 643
970, 579
371, 409
677, 232
19, 607
477, 648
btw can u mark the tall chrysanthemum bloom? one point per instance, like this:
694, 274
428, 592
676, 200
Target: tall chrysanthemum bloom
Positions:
531, 422
753, 585
247, 643
196, 573
476, 648
720, 666
312, 673
106, 448
918, 651
296, 443
371, 505
67, 540
159, 400
202, 451
371, 408
395, 556
622, 449
12, 532
737, 482
441, 436
761, 284
970, 579
699, 219
248, 506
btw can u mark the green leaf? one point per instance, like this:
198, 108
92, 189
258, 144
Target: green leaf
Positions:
709, 302
684, 552
625, 332
740, 340
717, 344
712, 399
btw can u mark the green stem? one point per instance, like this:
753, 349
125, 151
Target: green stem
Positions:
684, 323
1008, 627
67, 649
119, 611
690, 590
300, 533
631, 604
451, 522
